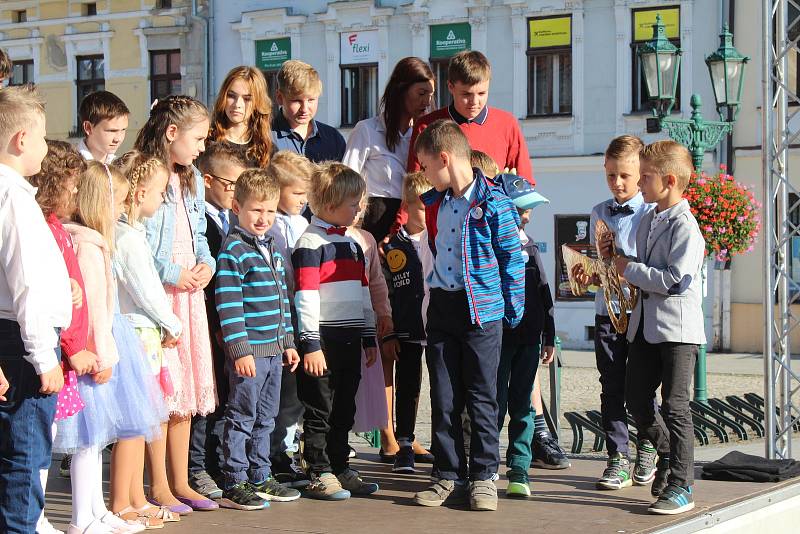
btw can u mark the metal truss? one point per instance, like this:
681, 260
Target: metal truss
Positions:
780, 129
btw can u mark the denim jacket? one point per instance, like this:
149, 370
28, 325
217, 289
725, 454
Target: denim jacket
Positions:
161, 231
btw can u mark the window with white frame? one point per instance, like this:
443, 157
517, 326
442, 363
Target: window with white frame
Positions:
165, 73
549, 66
21, 72
359, 67
642, 21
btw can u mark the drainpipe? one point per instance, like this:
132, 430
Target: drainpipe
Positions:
204, 21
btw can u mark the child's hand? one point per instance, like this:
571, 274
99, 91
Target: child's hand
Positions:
620, 264
580, 276
170, 342
291, 359
77, 294
512, 170
314, 363
203, 274
385, 326
83, 362
372, 355
4, 385
391, 349
245, 366
101, 377
188, 280
548, 352
52, 380
605, 245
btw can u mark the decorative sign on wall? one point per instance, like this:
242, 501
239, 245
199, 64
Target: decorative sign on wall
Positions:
450, 39
272, 53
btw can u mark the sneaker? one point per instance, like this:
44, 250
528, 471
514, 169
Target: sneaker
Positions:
617, 474
404, 461
482, 496
289, 473
442, 490
673, 500
518, 485
547, 453
326, 487
352, 453
272, 490
45, 527
242, 496
660, 478
202, 483
352, 482
645, 469
66, 464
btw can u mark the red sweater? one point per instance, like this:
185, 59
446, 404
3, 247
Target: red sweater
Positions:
494, 131
73, 339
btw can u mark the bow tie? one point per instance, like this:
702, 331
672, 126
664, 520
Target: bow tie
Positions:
339, 230
263, 241
620, 210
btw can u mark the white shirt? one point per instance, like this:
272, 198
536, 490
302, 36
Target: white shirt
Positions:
214, 212
87, 154
381, 168
34, 284
285, 232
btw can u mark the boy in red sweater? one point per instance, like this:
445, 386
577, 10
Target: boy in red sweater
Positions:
490, 130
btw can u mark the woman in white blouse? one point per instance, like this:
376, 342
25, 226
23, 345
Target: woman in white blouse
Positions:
378, 147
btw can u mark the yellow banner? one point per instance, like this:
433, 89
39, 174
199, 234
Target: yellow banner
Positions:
555, 31
643, 23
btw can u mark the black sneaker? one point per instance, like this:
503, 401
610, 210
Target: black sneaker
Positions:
645, 469
242, 496
660, 477
617, 474
287, 472
673, 500
547, 453
66, 464
404, 460
272, 490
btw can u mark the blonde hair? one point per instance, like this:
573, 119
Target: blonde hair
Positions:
139, 169
485, 163
291, 168
332, 183
415, 184
94, 200
624, 146
297, 78
256, 184
469, 67
19, 107
443, 135
668, 157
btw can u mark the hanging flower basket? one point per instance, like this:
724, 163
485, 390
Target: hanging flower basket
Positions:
727, 213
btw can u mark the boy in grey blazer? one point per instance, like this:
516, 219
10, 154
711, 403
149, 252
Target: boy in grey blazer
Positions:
666, 325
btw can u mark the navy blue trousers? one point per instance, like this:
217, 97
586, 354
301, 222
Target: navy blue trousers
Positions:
462, 363
611, 353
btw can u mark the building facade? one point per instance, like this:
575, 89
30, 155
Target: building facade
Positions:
138, 49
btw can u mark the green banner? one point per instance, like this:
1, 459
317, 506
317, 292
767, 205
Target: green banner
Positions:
272, 53
449, 39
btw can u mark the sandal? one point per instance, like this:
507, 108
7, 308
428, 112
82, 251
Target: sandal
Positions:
159, 512
131, 516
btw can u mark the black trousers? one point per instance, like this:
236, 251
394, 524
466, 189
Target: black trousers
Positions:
205, 441
408, 378
462, 363
671, 366
330, 402
380, 216
611, 354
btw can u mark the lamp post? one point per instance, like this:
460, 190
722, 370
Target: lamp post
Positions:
661, 63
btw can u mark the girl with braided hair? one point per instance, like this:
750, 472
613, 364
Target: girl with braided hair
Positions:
175, 133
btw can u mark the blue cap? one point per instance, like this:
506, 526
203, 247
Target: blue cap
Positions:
520, 191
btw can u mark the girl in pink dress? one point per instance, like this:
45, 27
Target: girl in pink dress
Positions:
176, 133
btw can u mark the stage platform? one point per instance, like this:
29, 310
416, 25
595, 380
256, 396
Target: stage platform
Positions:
563, 502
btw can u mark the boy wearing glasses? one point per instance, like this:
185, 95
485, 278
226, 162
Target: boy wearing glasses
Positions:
221, 167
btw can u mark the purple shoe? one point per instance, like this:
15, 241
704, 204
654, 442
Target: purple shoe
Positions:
181, 509
200, 505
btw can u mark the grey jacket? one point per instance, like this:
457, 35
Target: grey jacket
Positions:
669, 276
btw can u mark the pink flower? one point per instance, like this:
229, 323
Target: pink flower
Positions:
701, 181
707, 228
707, 201
722, 230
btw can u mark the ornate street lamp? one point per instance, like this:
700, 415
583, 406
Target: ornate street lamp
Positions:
661, 62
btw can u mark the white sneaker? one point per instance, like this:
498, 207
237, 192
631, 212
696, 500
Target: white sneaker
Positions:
45, 527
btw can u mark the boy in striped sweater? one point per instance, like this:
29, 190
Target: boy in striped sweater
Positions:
257, 333
335, 320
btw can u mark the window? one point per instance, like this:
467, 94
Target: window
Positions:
20, 16
163, 4
91, 76
272, 88
359, 92
21, 72
643, 20
439, 68
447, 40
165, 73
549, 66
90, 9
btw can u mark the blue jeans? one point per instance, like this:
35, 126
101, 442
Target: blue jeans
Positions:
26, 421
515, 377
249, 421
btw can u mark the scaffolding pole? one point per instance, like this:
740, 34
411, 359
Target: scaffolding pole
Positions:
780, 199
